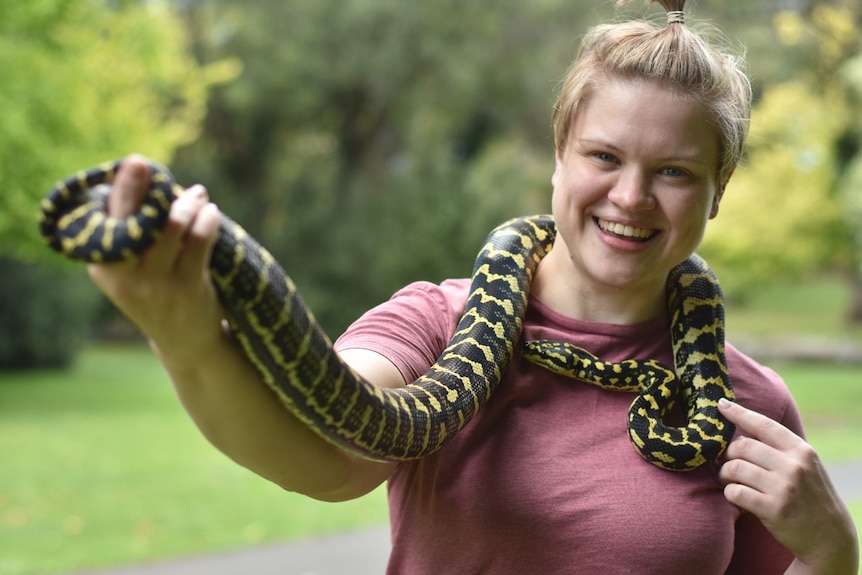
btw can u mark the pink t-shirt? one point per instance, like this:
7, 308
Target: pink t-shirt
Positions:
544, 479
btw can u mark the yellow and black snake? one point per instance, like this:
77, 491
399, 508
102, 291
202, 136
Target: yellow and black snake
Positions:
295, 358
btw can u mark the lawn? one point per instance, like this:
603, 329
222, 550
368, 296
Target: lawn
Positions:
101, 466
810, 308
830, 398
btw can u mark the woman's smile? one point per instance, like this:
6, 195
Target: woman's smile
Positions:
626, 231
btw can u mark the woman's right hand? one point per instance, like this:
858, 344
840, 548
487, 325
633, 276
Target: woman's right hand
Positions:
166, 291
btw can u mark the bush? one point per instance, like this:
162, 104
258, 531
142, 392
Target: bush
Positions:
46, 314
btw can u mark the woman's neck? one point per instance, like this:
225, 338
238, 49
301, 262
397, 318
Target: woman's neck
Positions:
560, 286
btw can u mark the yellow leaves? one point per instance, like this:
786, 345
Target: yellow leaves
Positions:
794, 114
780, 202
131, 73
781, 212
831, 28
84, 83
836, 31
790, 27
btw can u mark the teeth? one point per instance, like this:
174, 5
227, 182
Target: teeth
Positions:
625, 231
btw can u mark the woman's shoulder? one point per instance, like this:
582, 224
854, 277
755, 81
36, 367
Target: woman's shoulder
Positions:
412, 327
762, 389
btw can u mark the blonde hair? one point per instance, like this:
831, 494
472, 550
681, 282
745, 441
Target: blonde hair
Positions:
673, 54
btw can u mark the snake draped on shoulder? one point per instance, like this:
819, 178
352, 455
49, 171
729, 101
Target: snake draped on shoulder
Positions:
295, 358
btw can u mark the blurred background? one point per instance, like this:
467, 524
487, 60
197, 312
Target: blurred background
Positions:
367, 144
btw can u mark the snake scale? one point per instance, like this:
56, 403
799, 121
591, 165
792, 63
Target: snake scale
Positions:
295, 358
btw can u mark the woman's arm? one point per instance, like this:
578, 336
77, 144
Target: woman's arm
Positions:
168, 294
778, 477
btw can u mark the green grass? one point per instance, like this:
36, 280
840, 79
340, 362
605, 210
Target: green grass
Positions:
102, 466
811, 308
830, 399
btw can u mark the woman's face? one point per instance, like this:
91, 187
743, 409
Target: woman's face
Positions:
634, 186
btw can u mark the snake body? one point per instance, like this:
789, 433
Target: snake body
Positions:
295, 358
697, 338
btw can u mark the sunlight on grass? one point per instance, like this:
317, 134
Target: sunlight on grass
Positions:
102, 466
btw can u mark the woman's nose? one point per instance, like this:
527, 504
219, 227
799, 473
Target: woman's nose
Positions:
632, 191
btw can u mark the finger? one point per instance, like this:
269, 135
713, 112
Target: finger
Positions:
747, 472
161, 258
200, 240
754, 451
130, 187
749, 499
759, 426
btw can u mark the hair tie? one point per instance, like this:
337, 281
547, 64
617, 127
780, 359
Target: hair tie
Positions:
676, 17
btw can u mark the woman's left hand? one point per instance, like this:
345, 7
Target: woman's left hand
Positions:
774, 474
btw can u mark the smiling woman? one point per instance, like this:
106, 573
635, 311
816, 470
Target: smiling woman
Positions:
634, 185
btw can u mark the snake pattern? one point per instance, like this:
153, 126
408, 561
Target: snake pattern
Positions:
295, 358
700, 375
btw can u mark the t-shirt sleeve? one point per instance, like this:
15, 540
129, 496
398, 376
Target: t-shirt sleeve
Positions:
761, 389
412, 328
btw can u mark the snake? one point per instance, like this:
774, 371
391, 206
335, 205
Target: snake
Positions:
297, 362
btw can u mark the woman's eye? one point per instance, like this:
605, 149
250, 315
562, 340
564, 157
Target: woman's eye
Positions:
604, 157
674, 172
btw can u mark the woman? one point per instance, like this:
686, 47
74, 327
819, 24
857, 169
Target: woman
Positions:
649, 125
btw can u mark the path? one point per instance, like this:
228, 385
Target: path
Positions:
361, 553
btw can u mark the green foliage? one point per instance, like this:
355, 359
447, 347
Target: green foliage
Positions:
46, 314
85, 81
372, 143
851, 184
779, 214
792, 208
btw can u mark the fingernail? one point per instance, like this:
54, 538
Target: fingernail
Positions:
140, 169
197, 191
723, 402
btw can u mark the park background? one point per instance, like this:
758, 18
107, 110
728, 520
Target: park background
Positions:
367, 143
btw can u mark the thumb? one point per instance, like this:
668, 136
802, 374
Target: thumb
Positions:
130, 187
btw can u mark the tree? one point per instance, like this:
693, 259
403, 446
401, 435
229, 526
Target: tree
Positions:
779, 213
850, 187
83, 82
372, 143
793, 206
375, 142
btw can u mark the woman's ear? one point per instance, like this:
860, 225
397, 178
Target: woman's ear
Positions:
719, 194
558, 166
715, 201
